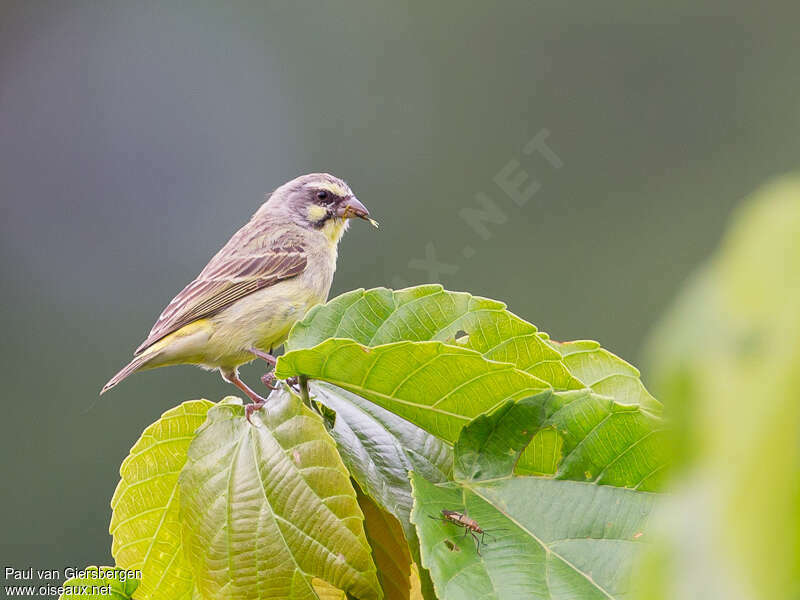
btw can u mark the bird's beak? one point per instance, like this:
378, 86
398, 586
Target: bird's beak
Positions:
351, 207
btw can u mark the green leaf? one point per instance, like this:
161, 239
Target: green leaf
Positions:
268, 506
440, 388
430, 313
389, 548
325, 591
603, 441
435, 386
490, 446
379, 449
587, 436
145, 526
545, 538
103, 583
606, 373
543, 454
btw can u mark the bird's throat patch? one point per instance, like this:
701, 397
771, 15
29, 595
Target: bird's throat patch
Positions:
334, 229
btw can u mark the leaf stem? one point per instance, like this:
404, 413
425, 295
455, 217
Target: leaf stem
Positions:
304, 390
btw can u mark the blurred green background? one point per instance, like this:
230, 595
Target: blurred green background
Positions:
725, 358
136, 137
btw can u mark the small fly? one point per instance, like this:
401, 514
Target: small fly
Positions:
470, 526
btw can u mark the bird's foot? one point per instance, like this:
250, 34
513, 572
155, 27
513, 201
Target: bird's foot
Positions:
251, 408
269, 380
257, 402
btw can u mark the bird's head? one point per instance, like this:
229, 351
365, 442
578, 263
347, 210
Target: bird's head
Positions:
319, 201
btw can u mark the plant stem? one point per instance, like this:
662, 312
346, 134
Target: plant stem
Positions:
304, 390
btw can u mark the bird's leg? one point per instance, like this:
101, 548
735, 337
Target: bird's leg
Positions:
265, 356
257, 401
250, 409
268, 379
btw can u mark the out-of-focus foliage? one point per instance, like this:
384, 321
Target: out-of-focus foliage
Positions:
726, 361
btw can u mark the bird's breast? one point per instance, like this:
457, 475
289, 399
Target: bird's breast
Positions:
263, 319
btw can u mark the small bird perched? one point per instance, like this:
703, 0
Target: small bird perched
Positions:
269, 274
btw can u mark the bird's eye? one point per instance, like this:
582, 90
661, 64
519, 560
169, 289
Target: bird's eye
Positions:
322, 195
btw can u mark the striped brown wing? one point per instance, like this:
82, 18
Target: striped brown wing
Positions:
233, 273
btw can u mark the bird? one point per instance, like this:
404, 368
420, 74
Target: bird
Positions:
264, 279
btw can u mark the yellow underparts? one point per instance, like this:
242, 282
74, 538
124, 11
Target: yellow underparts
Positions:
259, 320
184, 346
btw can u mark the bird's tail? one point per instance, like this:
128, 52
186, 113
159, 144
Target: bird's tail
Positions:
133, 366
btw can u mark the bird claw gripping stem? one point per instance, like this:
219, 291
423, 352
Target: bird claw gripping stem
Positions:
269, 380
249, 409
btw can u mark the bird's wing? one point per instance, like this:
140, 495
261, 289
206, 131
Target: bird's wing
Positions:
246, 264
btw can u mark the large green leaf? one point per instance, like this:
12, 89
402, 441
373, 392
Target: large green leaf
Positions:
389, 548
603, 441
440, 388
145, 526
599, 440
409, 353
100, 583
268, 506
435, 386
548, 539
325, 591
430, 313
379, 449
606, 373
491, 445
